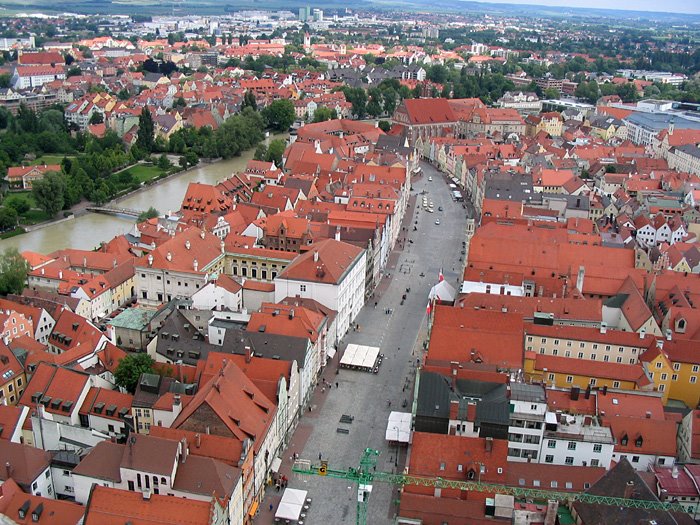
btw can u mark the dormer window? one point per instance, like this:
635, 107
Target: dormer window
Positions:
638, 442
680, 326
624, 440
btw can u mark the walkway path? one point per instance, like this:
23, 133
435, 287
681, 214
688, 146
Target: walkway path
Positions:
400, 336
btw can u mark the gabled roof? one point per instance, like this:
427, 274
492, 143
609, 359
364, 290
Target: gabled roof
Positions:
644, 435
107, 506
56, 387
442, 455
26, 463
238, 407
327, 261
49, 511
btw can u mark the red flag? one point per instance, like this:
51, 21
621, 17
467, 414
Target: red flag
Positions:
440, 276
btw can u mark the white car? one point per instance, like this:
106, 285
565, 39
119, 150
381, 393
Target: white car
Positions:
437, 221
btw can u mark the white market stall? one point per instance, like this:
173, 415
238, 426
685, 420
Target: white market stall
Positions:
360, 357
398, 428
291, 505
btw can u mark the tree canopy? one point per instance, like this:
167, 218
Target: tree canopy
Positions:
130, 369
13, 271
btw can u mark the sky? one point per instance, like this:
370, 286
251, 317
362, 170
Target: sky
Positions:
668, 6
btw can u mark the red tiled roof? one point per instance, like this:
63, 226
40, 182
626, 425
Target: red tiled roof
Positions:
108, 506
588, 368
327, 261
239, 408
655, 436
441, 455
51, 511
477, 336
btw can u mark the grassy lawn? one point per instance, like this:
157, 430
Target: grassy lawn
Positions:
143, 173
33, 217
50, 159
12, 233
34, 214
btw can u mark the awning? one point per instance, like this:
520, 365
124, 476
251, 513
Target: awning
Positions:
398, 428
291, 505
275, 467
331, 352
550, 418
253, 508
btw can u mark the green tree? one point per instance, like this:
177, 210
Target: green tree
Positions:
551, 94
150, 213
164, 162
97, 118
8, 218
13, 271
260, 152
146, 131
192, 158
323, 113
249, 101
384, 125
17, 203
275, 151
49, 193
130, 369
280, 114
5, 80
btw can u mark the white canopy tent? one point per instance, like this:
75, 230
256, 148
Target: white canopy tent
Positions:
360, 356
442, 291
398, 428
291, 505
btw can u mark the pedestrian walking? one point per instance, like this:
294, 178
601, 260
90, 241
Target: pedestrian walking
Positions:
270, 507
336, 384
320, 456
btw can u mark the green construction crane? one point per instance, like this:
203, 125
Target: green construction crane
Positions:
366, 474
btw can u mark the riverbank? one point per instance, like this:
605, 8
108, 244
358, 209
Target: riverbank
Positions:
80, 209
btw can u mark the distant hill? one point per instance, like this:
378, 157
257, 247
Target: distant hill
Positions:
209, 7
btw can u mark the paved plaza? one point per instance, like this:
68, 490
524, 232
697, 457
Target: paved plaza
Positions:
400, 336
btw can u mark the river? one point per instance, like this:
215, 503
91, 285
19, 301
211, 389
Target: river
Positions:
87, 231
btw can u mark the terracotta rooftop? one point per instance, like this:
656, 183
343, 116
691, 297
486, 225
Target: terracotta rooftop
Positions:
327, 261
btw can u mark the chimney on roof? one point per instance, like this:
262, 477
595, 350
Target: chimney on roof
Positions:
674, 472
337, 233
603, 327
574, 393
248, 354
197, 440
8, 470
169, 256
669, 334
291, 314
629, 490
60, 274
184, 450
195, 265
202, 233
223, 247
642, 333
187, 244
488, 444
84, 262
315, 255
